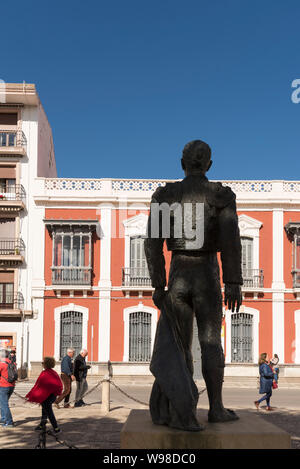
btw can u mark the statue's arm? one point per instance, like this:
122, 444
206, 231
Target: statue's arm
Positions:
230, 244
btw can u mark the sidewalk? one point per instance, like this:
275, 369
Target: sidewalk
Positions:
89, 428
84, 427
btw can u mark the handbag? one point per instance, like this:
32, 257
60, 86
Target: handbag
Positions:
274, 385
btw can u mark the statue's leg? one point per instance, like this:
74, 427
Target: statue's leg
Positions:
179, 291
208, 311
182, 312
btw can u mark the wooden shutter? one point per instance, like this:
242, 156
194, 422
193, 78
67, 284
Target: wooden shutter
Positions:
137, 254
7, 227
8, 118
247, 253
6, 277
8, 172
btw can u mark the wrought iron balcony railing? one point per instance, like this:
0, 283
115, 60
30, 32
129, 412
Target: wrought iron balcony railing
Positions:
12, 301
12, 246
253, 278
135, 277
14, 192
71, 275
12, 138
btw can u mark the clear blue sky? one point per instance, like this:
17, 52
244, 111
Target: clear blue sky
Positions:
126, 83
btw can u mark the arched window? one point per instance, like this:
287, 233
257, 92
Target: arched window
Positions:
70, 332
139, 337
242, 338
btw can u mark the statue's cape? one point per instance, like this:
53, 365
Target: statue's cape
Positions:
174, 395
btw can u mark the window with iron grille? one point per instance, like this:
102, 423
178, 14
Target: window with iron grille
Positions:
72, 257
70, 332
140, 337
241, 338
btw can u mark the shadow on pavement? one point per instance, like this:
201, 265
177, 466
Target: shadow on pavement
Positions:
83, 432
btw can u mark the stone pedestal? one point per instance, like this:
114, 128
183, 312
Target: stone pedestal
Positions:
251, 431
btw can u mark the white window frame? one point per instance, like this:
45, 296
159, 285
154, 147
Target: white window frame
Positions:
57, 316
140, 308
134, 226
249, 228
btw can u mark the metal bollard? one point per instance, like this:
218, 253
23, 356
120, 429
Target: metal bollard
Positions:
105, 406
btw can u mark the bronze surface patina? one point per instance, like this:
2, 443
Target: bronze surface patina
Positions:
207, 210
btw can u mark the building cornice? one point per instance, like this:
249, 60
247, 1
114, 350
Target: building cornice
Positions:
92, 192
19, 94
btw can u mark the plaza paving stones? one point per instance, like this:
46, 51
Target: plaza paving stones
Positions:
89, 428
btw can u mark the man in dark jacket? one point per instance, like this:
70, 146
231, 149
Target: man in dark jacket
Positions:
80, 373
201, 221
67, 377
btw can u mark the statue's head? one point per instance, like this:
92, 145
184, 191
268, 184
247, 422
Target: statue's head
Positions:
196, 157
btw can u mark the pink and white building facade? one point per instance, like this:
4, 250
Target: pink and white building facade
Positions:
82, 271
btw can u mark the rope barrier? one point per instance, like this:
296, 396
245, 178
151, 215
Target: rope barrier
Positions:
137, 400
127, 395
115, 386
89, 391
42, 439
63, 443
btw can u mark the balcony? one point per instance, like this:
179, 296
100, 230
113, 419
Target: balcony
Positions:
72, 276
12, 198
135, 277
253, 279
12, 143
13, 304
11, 251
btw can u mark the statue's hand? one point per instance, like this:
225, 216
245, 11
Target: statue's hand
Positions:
158, 297
233, 296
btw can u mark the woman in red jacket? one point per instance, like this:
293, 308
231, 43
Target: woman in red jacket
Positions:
47, 387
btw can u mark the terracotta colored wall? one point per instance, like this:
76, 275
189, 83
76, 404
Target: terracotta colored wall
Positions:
49, 324
265, 326
53, 302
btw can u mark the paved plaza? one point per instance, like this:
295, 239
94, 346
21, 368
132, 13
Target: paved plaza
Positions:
90, 428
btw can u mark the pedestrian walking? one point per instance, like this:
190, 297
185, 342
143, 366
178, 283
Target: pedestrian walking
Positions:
80, 373
12, 355
266, 381
274, 363
8, 377
67, 377
47, 387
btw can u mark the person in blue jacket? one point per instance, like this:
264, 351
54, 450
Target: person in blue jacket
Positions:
266, 381
67, 377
